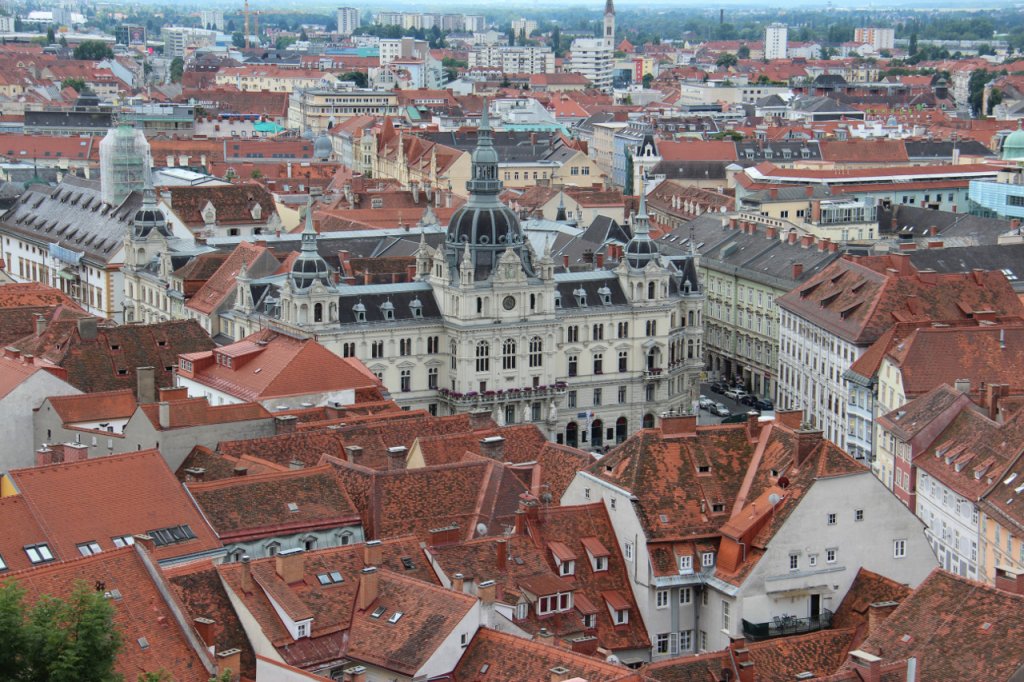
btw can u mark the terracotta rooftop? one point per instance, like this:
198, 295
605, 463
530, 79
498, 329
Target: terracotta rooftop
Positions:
15, 370
859, 300
220, 287
107, 361
153, 641
494, 656
234, 204
192, 412
868, 588
19, 529
247, 507
958, 629
98, 407
97, 500
266, 365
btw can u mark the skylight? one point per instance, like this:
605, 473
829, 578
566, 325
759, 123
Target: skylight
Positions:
331, 578
395, 617
1010, 479
378, 612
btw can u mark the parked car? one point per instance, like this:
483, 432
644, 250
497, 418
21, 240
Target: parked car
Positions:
718, 387
749, 400
735, 393
764, 404
736, 418
705, 403
721, 410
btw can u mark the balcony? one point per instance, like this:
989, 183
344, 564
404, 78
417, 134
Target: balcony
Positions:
501, 396
781, 626
654, 373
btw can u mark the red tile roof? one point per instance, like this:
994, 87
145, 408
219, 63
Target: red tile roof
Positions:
89, 407
267, 365
142, 613
96, 500
234, 203
222, 285
18, 529
14, 371
249, 507
859, 300
958, 629
198, 412
868, 588
494, 656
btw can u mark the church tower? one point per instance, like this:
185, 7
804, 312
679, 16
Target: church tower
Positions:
609, 22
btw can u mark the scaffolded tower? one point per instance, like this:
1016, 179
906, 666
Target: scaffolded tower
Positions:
125, 163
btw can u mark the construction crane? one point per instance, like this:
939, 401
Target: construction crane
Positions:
246, 12
256, 32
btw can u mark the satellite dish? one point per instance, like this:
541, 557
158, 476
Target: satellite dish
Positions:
774, 499
783, 482
612, 658
481, 529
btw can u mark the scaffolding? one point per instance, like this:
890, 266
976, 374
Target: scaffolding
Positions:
125, 163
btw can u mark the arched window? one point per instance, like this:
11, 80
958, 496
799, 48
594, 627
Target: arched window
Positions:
536, 352
508, 354
318, 312
454, 350
483, 356
689, 349
650, 290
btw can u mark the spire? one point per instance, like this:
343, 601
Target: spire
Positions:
642, 224
308, 232
560, 214
609, 7
485, 123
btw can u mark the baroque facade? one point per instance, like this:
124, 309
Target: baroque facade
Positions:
489, 324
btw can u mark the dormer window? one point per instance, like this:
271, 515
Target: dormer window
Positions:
416, 307
707, 559
558, 299
581, 297
387, 311
567, 568
360, 312
606, 295
376, 202
686, 564
554, 603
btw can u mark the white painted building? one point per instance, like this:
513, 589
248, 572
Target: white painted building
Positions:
776, 37
348, 20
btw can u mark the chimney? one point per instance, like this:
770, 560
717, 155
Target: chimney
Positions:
367, 587
396, 457
373, 553
285, 423
740, 656
12, 353
229, 660
816, 211
458, 582
732, 223
447, 535
493, 447
204, 628
486, 592
240, 470
545, 637
45, 456
771, 232
809, 190
74, 452
584, 644
1008, 581
501, 554
681, 425
807, 439
877, 613
993, 392
146, 542
164, 412
172, 393
868, 666
479, 419
963, 386
87, 328
291, 565
600, 260
773, 192
565, 261
823, 244
806, 240
798, 270
145, 384
559, 673
354, 453
791, 237
520, 521
356, 673
753, 425
40, 324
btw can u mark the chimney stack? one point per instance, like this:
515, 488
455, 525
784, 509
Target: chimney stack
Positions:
285, 423
396, 457
373, 553
145, 385
807, 439
480, 419
868, 666
559, 674
291, 565
501, 554
486, 592
229, 660
963, 386
367, 587
246, 581
458, 582
87, 328
40, 324
354, 453
164, 412
356, 673
1009, 582
877, 613
204, 628
146, 542
493, 447
798, 270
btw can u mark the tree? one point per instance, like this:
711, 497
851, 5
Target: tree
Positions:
726, 60
912, 48
77, 84
357, 77
72, 640
303, 36
237, 39
63, 40
648, 79
51, 37
93, 50
256, 174
628, 188
556, 40
177, 69
743, 52
283, 42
